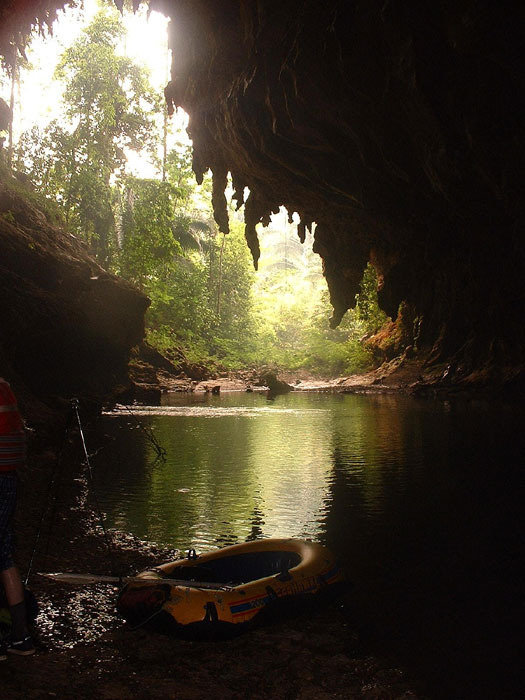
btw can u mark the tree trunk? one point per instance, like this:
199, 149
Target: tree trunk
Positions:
219, 281
14, 71
164, 143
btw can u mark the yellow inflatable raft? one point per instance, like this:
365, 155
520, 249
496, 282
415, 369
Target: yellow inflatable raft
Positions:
227, 589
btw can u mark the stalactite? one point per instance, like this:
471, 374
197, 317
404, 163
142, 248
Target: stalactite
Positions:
220, 206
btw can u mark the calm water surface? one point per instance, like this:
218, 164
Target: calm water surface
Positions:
418, 497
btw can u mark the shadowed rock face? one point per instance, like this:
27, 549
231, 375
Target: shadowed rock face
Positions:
395, 126
67, 325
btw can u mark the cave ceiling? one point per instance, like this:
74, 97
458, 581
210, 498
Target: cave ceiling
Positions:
395, 126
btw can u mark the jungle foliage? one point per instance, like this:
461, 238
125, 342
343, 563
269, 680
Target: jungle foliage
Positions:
207, 303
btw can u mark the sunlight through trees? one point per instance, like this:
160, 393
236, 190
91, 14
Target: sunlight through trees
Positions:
157, 229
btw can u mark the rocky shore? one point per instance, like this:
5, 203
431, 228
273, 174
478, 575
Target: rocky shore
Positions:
151, 375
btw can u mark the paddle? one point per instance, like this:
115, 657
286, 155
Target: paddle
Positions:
86, 579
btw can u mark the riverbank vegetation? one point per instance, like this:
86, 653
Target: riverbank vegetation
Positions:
208, 305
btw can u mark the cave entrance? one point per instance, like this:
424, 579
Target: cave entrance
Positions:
90, 137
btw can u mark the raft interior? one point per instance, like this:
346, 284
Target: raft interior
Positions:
238, 569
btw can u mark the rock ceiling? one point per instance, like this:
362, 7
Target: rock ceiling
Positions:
397, 127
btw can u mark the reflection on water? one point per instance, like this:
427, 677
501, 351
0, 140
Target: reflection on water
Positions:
233, 472
257, 469
417, 497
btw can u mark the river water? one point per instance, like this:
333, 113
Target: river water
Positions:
418, 498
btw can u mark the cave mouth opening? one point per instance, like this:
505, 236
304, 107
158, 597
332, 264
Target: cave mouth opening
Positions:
64, 80
406, 156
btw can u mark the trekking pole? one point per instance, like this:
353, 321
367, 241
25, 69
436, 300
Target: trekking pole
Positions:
75, 406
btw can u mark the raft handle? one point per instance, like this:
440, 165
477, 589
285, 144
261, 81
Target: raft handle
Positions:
285, 575
192, 554
211, 613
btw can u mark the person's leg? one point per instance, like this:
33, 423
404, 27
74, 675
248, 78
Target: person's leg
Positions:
20, 639
13, 587
14, 592
21, 642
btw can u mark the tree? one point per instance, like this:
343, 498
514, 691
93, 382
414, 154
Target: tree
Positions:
147, 246
13, 61
230, 296
109, 105
294, 306
367, 304
14, 74
341, 350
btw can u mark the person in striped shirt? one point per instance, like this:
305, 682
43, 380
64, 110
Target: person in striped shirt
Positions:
12, 456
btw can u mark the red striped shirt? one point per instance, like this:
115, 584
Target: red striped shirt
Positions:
12, 434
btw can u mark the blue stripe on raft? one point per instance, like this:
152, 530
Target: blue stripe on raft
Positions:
260, 601
245, 606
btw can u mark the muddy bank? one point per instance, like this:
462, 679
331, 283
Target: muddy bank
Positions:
85, 650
